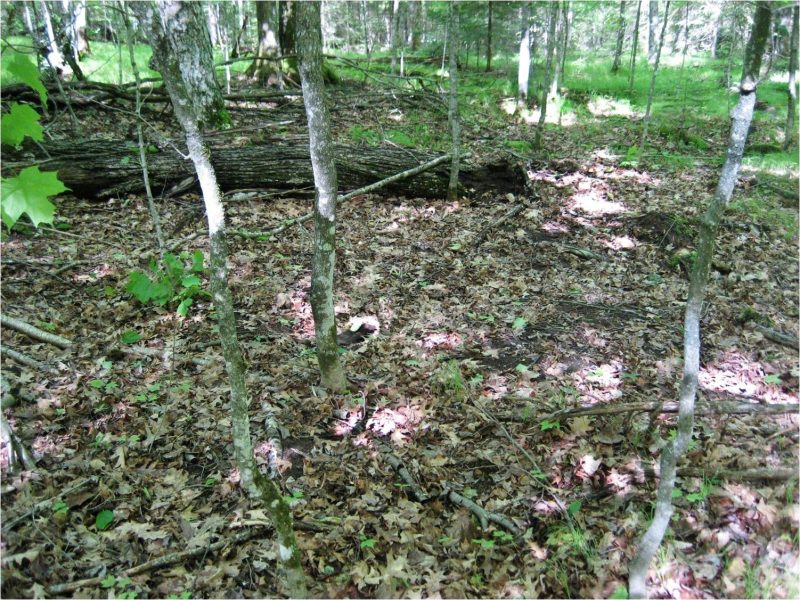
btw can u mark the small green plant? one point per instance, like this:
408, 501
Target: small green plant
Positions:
359, 133
620, 593
123, 585
367, 542
170, 282
182, 596
502, 536
476, 580
704, 492
103, 519
484, 543
102, 441
772, 379
210, 481
293, 498
450, 380
519, 324
546, 425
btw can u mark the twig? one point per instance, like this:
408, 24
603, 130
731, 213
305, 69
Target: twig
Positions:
401, 470
34, 332
714, 408
481, 237
766, 473
9, 525
483, 515
162, 561
16, 449
348, 196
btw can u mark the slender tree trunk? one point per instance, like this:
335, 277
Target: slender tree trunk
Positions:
151, 204
309, 48
264, 64
791, 127
620, 38
717, 31
524, 68
181, 46
555, 10
672, 452
395, 33
562, 53
652, 31
651, 93
54, 56
634, 48
81, 38
452, 108
489, 37
731, 50
684, 86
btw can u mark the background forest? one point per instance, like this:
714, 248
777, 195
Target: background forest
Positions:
399, 299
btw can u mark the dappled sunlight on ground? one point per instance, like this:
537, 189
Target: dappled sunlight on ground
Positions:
603, 106
734, 373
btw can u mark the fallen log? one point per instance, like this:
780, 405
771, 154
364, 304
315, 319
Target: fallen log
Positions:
108, 168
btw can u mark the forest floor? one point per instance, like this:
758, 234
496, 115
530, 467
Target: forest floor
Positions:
463, 342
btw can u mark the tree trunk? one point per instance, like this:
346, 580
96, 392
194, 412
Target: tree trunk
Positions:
103, 168
181, 44
742, 116
394, 34
791, 128
287, 34
54, 57
264, 65
652, 31
634, 48
490, 5
452, 112
555, 10
620, 38
309, 47
524, 67
562, 52
651, 93
81, 39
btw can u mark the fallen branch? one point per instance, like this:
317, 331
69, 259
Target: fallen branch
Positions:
765, 474
17, 451
715, 408
401, 470
162, 561
359, 192
778, 337
35, 332
48, 503
481, 237
24, 359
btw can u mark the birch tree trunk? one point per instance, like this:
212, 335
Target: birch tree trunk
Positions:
620, 38
182, 46
452, 106
309, 49
395, 33
791, 127
634, 48
742, 116
555, 10
524, 66
652, 29
652, 91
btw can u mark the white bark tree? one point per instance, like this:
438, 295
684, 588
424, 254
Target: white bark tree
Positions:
452, 107
672, 452
524, 65
182, 50
791, 128
309, 49
651, 93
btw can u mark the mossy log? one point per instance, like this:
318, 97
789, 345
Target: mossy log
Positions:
107, 168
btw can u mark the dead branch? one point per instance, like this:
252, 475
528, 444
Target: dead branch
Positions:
715, 408
8, 526
34, 332
776, 336
17, 452
24, 359
162, 561
765, 473
484, 516
400, 469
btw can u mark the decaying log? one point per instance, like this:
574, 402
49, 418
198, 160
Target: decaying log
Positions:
107, 168
34, 332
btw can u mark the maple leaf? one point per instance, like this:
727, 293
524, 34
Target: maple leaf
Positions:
28, 193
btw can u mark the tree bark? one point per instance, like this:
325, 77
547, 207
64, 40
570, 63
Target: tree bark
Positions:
309, 48
524, 66
103, 168
452, 110
555, 10
490, 6
620, 38
395, 33
634, 48
742, 116
181, 44
652, 30
651, 93
791, 128
264, 65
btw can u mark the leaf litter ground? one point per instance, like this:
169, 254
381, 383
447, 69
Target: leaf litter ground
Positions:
461, 354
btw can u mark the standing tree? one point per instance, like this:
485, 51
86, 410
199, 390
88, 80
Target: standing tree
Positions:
182, 50
651, 93
309, 50
792, 107
524, 66
634, 48
452, 106
489, 37
394, 34
672, 452
555, 11
652, 29
264, 64
620, 38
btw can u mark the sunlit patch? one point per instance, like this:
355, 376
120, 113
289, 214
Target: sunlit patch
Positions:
452, 207
600, 383
554, 227
43, 445
508, 105
396, 115
592, 337
346, 420
265, 454
593, 202
398, 423
603, 106
735, 373
623, 242
445, 341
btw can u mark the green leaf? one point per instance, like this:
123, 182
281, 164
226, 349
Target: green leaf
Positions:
620, 593
130, 337
28, 193
519, 323
104, 519
197, 261
183, 307
367, 542
139, 286
108, 582
772, 379
574, 508
25, 71
97, 383
20, 122
190, 281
